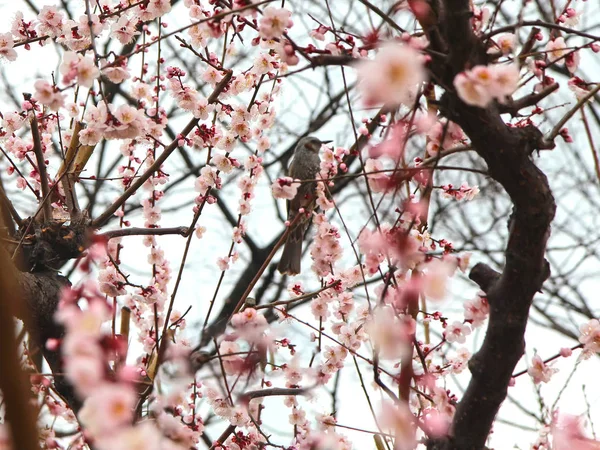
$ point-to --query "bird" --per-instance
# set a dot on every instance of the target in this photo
(305, 165)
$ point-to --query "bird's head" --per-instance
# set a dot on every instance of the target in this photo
(311, 143)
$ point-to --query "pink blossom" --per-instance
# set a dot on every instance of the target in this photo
(124, 29)
(568, 433)
(144, 436)
(476, 310)
(116, 73)
(464, 192)
(435, 278)
(399, 418)
(153, 10)
(18, 147)
(83, 25)
(590, 336)
(85, 322)
(263, 63)
(326, 422)
(80, 68)
(571, 17)
(274, 22)
(459, 363)
(173, 428)
(293, 373)
(208, 178)
(505, 80)
(263, 144)
(481, 84)
(48, 95)
(201, 108)
(50, 21)
(564, 133)
(480, 18)
(320, 308)
(393, 145)
(12, 122)
(579, 87)
(472, 92)
(506, 43)
(6, 47)
(85, 373)
(437, 422)
(449, 131)
(227, 142)
(319, 33)
(111, 282)
(297, 416)
(565, 352)
(326, 249)
(539, 371)
(572, 61)
(378, 180)
(392, 77)
(232, 363)
(285, 187)
(556, 49)
(457, 332)
(108, 408)
(463, 261)
(389, 331)
(199, 35)
(223, 264)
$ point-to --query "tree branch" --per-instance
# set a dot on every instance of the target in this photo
(507, 152)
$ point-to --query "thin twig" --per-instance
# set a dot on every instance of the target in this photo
(582, 101)
(106, 215)
(41, 166)
(183, 231)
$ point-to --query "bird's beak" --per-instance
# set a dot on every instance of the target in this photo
(325, 142)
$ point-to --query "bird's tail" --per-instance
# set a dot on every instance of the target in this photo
(291, 257)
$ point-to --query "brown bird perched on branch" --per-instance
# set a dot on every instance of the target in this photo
(304, 166)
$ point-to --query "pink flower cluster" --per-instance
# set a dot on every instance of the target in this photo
(94, 361)
(242, 349)
(448, 131)
(395, 243)
(556, 50)
(326, 249)
(476, 310)
(351, 334)
(482, 84)
(331, 162)
(112, 122)
(464, 192)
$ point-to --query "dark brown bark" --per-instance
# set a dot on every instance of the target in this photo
(507, 153)
(41, 291)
